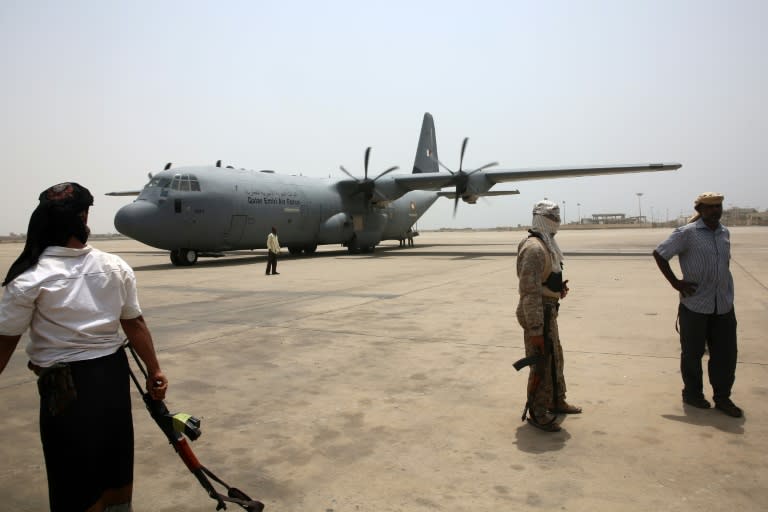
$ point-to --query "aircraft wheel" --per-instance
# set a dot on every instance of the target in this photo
(175, 258)
(186, 257)
(310, 249)
(294, 250)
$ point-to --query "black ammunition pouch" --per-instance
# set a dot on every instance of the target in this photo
(554, 282)
(56, 387)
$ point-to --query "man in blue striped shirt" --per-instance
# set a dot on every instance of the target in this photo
(706, 314)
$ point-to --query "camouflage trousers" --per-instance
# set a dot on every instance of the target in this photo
(541, 393)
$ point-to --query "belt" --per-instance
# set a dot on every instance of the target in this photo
(36, 369)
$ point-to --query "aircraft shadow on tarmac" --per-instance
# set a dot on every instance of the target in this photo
(237, 258)
(414, 251)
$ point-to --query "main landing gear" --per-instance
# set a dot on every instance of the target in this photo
(355, 247)
(183, 257)
(296, 250)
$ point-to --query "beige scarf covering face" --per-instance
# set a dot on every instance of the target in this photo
(547, 228)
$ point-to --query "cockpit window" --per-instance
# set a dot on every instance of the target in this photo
(159, 181)
(185, 183)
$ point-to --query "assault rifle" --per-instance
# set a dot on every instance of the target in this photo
(541, 357)
(527, 361)
(175, 427)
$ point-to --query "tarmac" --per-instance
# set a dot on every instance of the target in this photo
(384, 382)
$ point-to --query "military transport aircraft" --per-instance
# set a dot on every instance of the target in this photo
(203, 211)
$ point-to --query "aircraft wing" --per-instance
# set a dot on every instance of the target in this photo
(437, 180)
(124, 193)
(543, 173)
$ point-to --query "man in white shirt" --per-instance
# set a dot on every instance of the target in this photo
(74, 298)
(273, 249)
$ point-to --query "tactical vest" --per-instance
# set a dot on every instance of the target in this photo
(553, 282)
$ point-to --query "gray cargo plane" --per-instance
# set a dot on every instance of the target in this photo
(203, 211)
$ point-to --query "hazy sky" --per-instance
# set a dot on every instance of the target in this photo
(102, 92)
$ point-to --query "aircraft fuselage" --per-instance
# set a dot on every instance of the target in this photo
(213, 209)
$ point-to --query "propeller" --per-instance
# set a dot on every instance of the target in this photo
(461, 177)
(167, 166)
(366, 186)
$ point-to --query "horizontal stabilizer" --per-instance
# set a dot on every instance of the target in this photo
(124, 193)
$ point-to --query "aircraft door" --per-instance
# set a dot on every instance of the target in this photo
(304, 209)
(294, 211)
(236, 230)
(183, 208)
(310, 213)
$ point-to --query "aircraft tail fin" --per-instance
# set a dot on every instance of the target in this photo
(426, 152)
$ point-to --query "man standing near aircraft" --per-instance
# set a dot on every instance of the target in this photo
(273, 249)
(541, 286)
(706, 314)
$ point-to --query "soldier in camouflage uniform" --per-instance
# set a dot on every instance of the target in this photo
(541, 286)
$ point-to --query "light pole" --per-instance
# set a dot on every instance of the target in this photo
(578, 209)
(563, 212)
(639, 208)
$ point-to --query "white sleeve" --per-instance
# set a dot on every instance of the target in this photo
(131, 308)
(16, 310)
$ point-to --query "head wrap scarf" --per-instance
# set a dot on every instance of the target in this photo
(706, 198)
(57, 217)
(547, 227)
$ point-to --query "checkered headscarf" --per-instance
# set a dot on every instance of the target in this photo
(56, 219)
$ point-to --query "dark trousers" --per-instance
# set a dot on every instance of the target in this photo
(718, 334)
(271, 262)
(88, 447)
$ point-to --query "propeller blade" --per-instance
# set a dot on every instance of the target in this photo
(386, 172)
(463, 149)
(455, 204)
(167, 166)
(348, 174)
(366, 186)
(441, 164)
(367, 156)
(483, 167)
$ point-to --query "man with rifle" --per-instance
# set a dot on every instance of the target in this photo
(541, 286)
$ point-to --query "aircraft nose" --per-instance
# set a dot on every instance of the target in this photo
(132, 217)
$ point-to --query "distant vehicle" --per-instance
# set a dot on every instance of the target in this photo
(203, 211)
